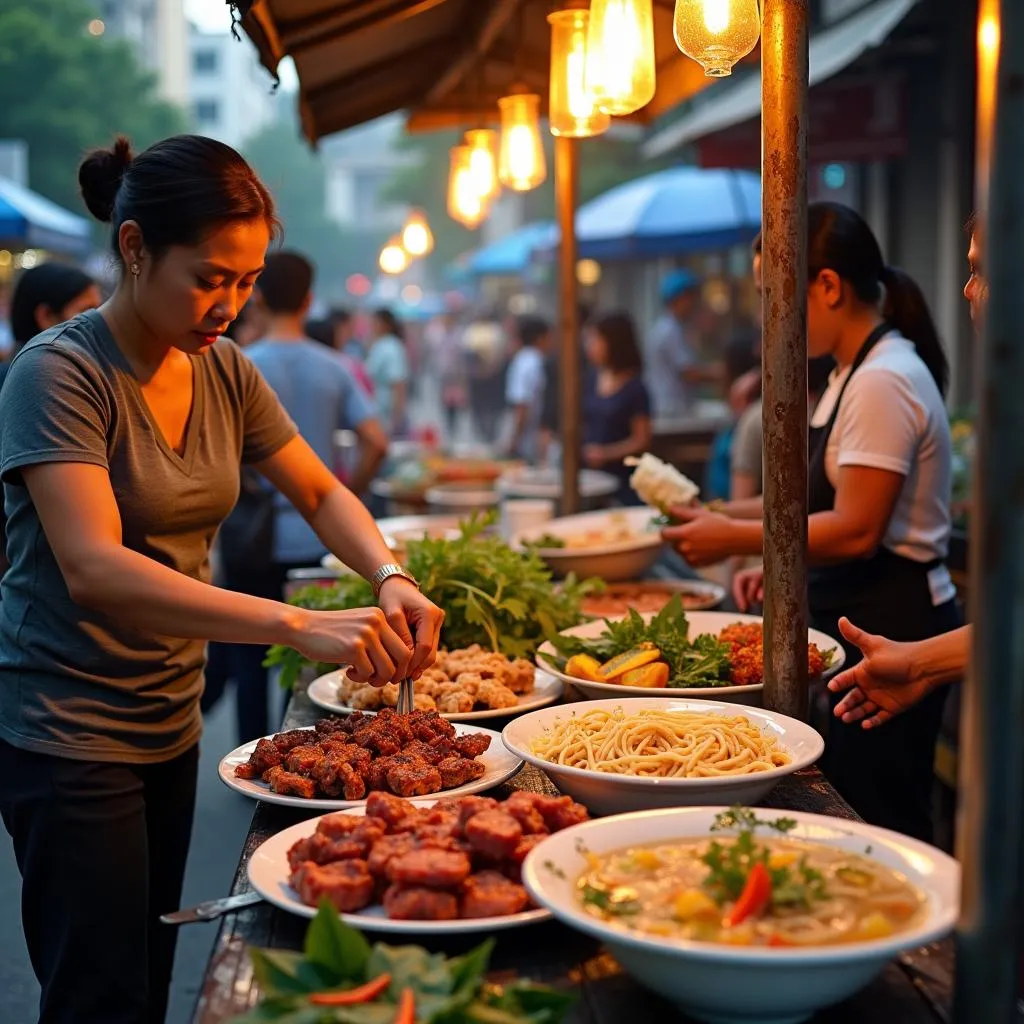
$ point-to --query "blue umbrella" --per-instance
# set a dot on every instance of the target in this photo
(671, 213)
(32, 220)
(511, 255)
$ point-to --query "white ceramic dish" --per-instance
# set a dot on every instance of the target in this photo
(624, 560)
(465, 498)
(605, 793)
(734, 984)
(699, 595)
(533, 482)
(500, 762)
(269, 873)
(546, 690)
(700, 622)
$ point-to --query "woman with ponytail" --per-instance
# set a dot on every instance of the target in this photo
(879, 494)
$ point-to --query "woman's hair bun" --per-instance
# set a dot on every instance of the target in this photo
(100, 175)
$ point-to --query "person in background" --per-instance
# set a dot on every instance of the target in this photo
(879, 495)
(674, 368)
(741, 357)
(387, 366)
(524, 386)
(321, 396)
(45, 296)
(249, 325)
(449, 360)
(485, 344)
(323, 332)
(616, 405)
(343, 333)
(551, 410)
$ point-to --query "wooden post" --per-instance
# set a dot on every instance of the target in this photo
(991, 833)
(784, 87)
(566, 191)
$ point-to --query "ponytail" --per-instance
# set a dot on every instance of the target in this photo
(907, 310)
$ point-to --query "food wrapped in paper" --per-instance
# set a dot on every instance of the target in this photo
(660, 484)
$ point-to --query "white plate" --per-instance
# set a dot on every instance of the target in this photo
(531, 482)
(269, 874)
(700, 622)
(733, 984)
(627, 559)
(705, 595)
(607, 793)
(323, 692)
(500, 763)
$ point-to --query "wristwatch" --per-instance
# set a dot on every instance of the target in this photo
(385, 572)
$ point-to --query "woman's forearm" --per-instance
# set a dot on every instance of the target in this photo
(348, 530)
(943, 659)
(745, 508)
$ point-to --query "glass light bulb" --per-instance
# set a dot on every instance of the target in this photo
(393, 258)
(465, 203)
(572, 108)
(521, 162)
(716, 33)
(620, 54)
(417, 238)
(483, 160)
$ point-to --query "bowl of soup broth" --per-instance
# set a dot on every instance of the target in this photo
(746, 916)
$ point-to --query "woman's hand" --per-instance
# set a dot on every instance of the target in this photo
(748, 588)
(412, 615)
(886, 683)
(703, 537)
(593, 456)
(360, 638)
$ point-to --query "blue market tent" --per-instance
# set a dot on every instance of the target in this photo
(512, 254)
(29, 220)
(669, 213)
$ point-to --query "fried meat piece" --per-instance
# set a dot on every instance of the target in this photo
(363, 830)
(377, 777)
(490, 894)
(522, 806)
(472, 744)
(455, 702)
(467, 806)
(347, 884)
(379, 736)
(493, 833)
(288, 783)
(334, 725)
(559, 812)
(322, 849)
(426, 725)
(386, 849)
(495, 695)
(426, 751)
(389, 808)
(457, 771)
(303, 759)
(413, 777)
(416, 903)
(526, 844)
(261, 760)
(436, 869)
(288, 741)
(337, 777)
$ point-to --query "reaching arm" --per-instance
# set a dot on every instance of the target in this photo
(638, 442)
(373, 449)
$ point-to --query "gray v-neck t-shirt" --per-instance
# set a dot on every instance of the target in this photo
(74, 682)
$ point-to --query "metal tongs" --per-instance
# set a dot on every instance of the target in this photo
(406, 696)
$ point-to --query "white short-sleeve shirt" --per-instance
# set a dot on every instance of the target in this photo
(893, 417)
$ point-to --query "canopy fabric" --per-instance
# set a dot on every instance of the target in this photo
(512, 254)
(670, 213)
(447, 62)
(29, 219)
(830, 51)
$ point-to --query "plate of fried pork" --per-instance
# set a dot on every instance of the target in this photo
(342, 760)
(413, 867)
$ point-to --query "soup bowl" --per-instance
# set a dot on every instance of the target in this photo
(743, 984)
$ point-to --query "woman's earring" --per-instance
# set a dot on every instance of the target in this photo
(134, 268)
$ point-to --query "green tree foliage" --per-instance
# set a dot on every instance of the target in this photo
(65, 91)
(296, 176)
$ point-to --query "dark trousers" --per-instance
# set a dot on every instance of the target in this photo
(101, 849)
(244, 662)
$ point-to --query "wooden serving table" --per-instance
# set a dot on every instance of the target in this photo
(916, 989)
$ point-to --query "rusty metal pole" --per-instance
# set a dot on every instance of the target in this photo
(566, 192)
(784, 87)
(991, 816)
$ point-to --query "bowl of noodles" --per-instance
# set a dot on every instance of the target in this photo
(741, 916)
(647, 752)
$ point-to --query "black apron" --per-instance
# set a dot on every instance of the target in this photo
(885, 773)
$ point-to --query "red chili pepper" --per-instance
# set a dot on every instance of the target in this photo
(779, 941)
(352, 996)
(406, 1008)
(754, 898)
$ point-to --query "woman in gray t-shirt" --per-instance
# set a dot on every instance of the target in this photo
(122, 433)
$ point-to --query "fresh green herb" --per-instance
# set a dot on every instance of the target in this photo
(618, 902)
(729, 864)
(447, 991)
(700, 662)
(546, 541)
(502, 599)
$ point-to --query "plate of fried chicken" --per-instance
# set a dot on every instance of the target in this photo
(448, 865)
(342, 760)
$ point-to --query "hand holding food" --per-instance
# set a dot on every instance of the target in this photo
(414, 618)
(659, 484)
(748, 587)
(703, 537)
(361, 638)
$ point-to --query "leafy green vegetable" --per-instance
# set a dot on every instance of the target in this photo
(700, 662)
(502, 599)
(447, 991)
(620, 902)
(729, 864)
